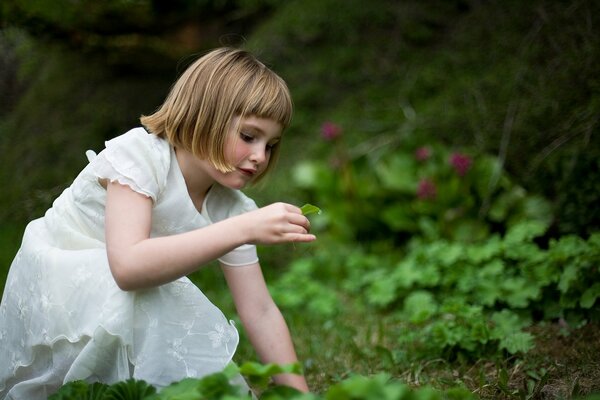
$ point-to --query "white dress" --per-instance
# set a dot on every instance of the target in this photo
(63, 317)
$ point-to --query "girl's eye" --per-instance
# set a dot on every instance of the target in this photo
(246, 138)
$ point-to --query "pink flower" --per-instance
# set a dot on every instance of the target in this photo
(422, 153)
(330, 130)
(461, 163)
(426, 189)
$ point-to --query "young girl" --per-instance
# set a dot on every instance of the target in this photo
(98, 290)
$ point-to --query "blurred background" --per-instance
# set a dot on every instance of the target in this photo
(515, 80)
(416, 123)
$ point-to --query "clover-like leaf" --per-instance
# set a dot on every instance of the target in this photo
(310, 209)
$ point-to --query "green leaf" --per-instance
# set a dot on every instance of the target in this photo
(310, 209)
(186, 389)
(260, 374)
(129, 390)
(505, 323)
(76, 390)
(569, 275)
(359, 387)
(398, 174)
(420, 306)
(459, 393)
(520, 291)
(381, 291)
(590, 295)
(285, 393)
(524, 231)
(399, 217)
(517, 342)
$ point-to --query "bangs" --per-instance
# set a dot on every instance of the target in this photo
(267, 97)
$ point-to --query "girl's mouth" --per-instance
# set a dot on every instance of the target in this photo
(247, 171)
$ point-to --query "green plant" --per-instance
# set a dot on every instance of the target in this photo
(432, 192)
(219, 386)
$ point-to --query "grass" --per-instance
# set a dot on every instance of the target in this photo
(563, 365)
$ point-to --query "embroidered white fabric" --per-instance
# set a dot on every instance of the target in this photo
(63, 318)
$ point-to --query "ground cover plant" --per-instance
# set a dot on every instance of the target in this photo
(452, 287)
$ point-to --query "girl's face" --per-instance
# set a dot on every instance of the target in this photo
(248, 149)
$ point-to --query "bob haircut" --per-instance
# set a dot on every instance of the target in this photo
(219, 86)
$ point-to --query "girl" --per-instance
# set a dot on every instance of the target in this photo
(98, 290)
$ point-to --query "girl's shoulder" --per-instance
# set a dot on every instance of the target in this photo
(139, 138)
(136, 158)
(139, 144)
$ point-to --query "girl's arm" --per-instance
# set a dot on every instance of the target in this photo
(263, 321)
(138, 261)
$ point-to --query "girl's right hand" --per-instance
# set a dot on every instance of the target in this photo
(277, 223)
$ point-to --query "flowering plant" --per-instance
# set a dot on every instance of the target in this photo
(427, 190)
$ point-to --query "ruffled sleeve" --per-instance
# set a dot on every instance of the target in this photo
(223, 203)
(137, 159)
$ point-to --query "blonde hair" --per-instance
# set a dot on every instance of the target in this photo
(223, 84)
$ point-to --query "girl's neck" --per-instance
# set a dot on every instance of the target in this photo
(196, 180)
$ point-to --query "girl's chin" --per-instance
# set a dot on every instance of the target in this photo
(236, 184)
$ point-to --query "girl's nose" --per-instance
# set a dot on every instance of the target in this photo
(258, 155)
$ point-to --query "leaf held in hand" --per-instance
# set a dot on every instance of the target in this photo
(310, 209)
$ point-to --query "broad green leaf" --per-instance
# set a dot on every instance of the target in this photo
(399, 217)
(260, 374)
(520, 291)
(420, 306)
(407, 273)
(281, 392)
(359, 387)
(517, 342)
(537, 208)
(218, 386)
(382, 291)
(590, 295)
(310, 209)
(76, 390)
(468, 230)
(185, 389)
(459, 393)
(398, 174)
(504, 202)
(568, 276)
(129, 390)
(505, 323)
(524, 232)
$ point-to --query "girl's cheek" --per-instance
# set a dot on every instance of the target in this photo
(243, 151)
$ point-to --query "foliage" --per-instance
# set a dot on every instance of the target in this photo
(464, 260)
(435, 193)
(472, 299)
(513, 79)
(38, 135)
(220, 385)
(128, 32)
